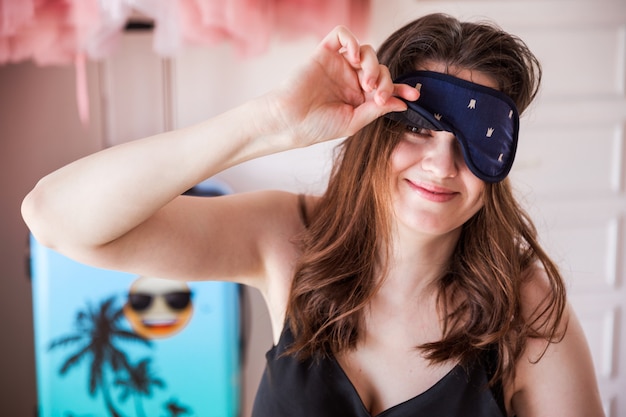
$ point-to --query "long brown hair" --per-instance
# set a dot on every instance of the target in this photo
(342, 263)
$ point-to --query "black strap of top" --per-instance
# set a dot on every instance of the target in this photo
(491, 363)
(302, 207)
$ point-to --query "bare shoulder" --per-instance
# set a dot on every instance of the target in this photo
(558, 377)
(272, 220)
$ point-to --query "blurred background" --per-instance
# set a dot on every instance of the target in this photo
(142, 67)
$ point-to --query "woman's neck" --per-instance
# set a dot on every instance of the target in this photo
(416, 262)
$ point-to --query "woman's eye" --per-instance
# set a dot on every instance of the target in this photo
(417, 130)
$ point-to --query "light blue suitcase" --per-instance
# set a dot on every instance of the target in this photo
(115, 344)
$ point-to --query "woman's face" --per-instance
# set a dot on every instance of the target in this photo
(432, 189)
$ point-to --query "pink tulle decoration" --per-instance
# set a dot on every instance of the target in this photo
(94, 35)
(14, 14)
(167, 32)
(318, 17)
(246, 23)
(82, 94)
(250, 24)
(61, 32)
(54, 31)
(47, 37)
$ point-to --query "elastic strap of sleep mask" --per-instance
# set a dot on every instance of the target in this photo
(485, 121)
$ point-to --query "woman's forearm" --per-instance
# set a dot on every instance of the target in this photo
(99, 198)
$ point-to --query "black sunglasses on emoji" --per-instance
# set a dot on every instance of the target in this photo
(176, 300)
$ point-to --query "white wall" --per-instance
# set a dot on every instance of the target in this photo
(571, 166)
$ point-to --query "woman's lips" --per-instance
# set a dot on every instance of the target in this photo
(432, 192)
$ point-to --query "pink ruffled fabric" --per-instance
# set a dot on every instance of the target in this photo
(56, 31)
(36, 29)
(61, 32)
(318, 17)
(44, 31)
(250, 24)
(246, 23)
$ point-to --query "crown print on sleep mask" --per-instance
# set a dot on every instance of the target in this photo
(485, 121)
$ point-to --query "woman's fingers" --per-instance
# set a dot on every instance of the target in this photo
(361, 58)
(369, 69)
(384, 85)
(354, 76)
(406, 92)
(343, 41)
(373, 76)
(384, 88)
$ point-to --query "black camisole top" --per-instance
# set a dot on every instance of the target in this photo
(320, 388)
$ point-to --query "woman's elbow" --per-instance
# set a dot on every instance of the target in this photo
(36, 212)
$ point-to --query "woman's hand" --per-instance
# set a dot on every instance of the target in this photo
(340, 90)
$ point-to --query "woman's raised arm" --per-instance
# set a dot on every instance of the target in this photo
(102, 208)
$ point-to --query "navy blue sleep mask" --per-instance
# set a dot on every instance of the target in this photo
(485, 121)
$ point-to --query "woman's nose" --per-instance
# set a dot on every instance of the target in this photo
(442, 156)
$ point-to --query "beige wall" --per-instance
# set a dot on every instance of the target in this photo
(39, 131)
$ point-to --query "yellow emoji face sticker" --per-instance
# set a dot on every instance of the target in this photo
(158, 308)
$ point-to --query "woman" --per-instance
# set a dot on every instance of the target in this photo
(414, 286)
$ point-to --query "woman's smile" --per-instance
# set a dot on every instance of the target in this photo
(432, 192)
